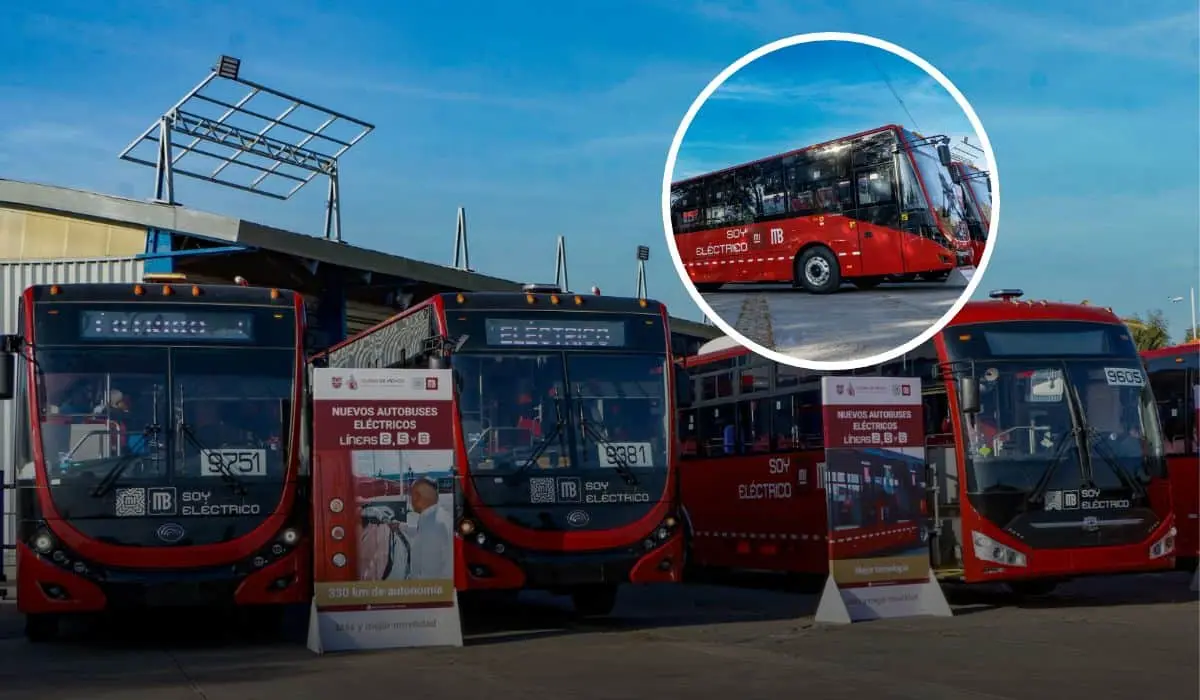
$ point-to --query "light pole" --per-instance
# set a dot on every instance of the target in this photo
(1192, 300)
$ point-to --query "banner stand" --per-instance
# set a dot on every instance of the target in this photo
(384, 485)
(314, 629)
(360, 630)
(840, 606)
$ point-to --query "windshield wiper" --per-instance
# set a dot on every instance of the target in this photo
(1038, 495)
(621, 465)
(149, 433)
(110, 477)
(1113, 462)
(559, 422)
(227, 474)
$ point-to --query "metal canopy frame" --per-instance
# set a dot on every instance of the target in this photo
(966, 152)
(280, 153)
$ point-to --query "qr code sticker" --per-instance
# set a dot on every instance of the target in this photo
(541, 489)
(130, 502)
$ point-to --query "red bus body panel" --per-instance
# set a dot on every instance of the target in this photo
(1183, 464)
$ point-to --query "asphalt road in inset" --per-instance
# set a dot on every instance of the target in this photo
(1130, 637)
(847, 325)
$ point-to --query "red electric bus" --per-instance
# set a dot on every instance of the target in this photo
(564, 435)
(1175, 375)
(868, 208)
(1044, 452)
(154, 452)
(975, 187)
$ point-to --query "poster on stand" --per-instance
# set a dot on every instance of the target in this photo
(874, 482)
(383, 507)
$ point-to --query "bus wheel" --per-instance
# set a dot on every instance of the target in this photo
(866, 282)
(594, 601)
(1031, 589)
(818, 271)
(42, 627)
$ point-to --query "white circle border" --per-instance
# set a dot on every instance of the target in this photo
(810, 38)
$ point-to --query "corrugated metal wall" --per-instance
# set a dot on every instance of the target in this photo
(15, 277)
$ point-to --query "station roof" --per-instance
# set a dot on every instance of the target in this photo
(277, 257)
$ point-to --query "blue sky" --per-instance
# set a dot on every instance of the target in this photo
(555, 118)
(810, 93)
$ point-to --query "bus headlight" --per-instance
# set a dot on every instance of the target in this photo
(466, 527)
(1164, 547)
(987, 549)
(290, 537)
(43, 542)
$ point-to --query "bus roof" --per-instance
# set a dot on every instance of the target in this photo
(1185, 356)
(512, 301)
(973, 312)
(179, 292)
(885, 127)
(1031, 310)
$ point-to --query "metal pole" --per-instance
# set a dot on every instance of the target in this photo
(560, 265)
(462, 256)
(1192, 298)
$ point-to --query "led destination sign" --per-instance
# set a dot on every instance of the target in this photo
(169, 326)
(519, 332)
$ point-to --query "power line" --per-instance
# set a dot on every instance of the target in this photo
(888, 82)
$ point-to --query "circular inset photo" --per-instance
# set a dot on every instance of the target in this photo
(831, 201)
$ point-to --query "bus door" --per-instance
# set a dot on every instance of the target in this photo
(942, 505)
(880, 244)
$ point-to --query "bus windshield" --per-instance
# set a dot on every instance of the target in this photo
(981, 196)
(166, 411)
(945, 199)
(1026, 429)
(563, 410)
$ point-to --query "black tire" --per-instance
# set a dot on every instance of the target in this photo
(1031, 589)
(818, 272)
(866, 282)
(41, 628)
(594, 601)
(707, 287)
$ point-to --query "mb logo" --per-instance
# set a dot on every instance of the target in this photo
(161, 500)
(568, 489)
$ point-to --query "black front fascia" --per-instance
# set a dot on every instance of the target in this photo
(208, 512)
(585, 500)
(1069, 529)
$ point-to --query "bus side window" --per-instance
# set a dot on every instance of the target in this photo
(808, 414)
(754, 425)
(1171, 392)
(771, 189)
(688, 434)
(718, 431)
(687, 206)
(783, 423)
(746, 191)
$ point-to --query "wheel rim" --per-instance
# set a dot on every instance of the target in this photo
(816, 271)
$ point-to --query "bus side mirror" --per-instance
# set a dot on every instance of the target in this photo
(955, 176)
(968, 395)
(944, 155)
(8, 376)
(684, 392)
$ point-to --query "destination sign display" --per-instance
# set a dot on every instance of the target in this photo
(167, 326)
(554, 333)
